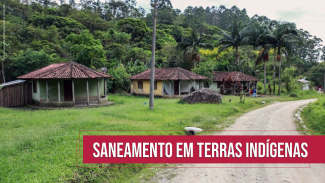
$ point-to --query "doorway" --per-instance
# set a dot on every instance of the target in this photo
(67, 90)
(176, 87)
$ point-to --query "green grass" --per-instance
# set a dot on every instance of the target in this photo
(40, 145)
(314, 117)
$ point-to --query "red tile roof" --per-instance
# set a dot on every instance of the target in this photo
(169, 74)
(67, 70)
(235, 76)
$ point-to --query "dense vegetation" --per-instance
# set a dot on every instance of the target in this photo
(117, 35)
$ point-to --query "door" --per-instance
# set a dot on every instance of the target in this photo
(67, 90)
(176, 87)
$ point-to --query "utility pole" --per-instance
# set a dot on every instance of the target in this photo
(152, 72)
(4, 44)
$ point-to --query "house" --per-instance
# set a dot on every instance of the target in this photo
(305, 83)
(168, 82)
(233, 81)
(15, 93)
(67, 84)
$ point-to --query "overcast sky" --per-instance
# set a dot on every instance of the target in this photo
(307, 14)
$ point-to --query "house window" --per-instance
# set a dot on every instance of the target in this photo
(140, 85)
(34, 87)
(155, 85)
(206, 85)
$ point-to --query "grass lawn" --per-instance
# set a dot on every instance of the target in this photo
(40, 145)
(314, 117)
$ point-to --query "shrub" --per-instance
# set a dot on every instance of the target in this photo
(293, 95)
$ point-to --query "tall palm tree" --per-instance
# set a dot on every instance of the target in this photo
(192, 44)
(252, 34)
(280, 39)
(234, 39)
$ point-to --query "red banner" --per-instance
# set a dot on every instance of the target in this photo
(203, 149)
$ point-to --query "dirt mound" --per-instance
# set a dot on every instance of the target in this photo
(203, 96)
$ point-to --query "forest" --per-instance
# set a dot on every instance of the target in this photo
(117, 35)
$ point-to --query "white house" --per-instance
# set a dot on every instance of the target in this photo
(305, 85)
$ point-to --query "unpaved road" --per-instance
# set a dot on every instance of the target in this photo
(278, 116)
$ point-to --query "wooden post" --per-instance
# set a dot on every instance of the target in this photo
(59, 94)
(105, 87)
(87, 92)
(179, 87)
(73, 95)
(47, 90)
(98, 95)
(170, 85)
(189, 86)
(249, 87)
(242, 87)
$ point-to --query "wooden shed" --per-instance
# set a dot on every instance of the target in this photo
(15, 93)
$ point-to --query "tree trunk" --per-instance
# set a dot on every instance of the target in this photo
(279, 90)
(237, 56)
(274, 70)
(264, 77)
(4, 44)
(152, 72)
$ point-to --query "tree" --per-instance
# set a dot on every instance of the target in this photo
(29, 60)
(234, 39)
(280, 39)
(191, 45)
(253, 32)
(87, 50)
(136, 27)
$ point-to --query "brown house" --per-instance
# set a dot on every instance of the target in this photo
(67, 84)
(168, 82)
(234, 79)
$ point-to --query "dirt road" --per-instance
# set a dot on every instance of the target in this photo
(278, 116)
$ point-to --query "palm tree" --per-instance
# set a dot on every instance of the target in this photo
(192, 44)
(281, 40)
(253, 32)
(235, 39)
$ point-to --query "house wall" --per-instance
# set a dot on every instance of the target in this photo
(168, 86)
(80, 88)
(183, 85)
(214, 86)
(146, 88)
(36, 96)
(305, 86)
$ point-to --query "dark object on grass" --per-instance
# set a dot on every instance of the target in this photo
(203, 96)
(192, 130)
(229, 100)
(293, 95)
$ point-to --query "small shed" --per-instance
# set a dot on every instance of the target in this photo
(168, 82)
(66, 85)
(305, 83)
(15, 94)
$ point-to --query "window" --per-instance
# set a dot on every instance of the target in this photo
(206, 85)
(140, 85)
(34, 87)
(155, 85)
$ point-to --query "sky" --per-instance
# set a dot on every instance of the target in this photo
(307, 14)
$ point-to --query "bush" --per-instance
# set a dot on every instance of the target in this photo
(293, 95)
(120, 80)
